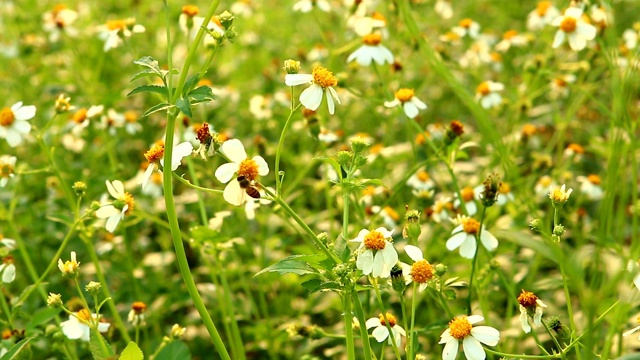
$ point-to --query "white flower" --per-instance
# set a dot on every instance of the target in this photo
(511, 38)
(543, 15)
(444, 9)
(542, 186)
(530, 305)
(573, 28)
(260, 107)
(380, 264)
(306, 6)
(240, 167)
(559, 195)
(420, 271)
(58, 21)
(462, 329)
(441, 208)
(487, 94)
(321, 81)
(115, 211)
(630, 37)
(389, 216)
(327, 136)
(467, 27)
(560, 86)
(8, 269)
(14, 123)
(410, 103)
(7, 165)
(420, 181)
(364, 25)
(464, 237)
(380, 333)
(468, 198)
(156, 155)
(371, 50)
(69, 267)
(77, 328)
(114, 31)
(590, 186)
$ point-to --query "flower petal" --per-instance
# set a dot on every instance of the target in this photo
(234, 194)
(25, 112)
(472, 349)
(488, 240)
(414, 252)
(373, 322)
(180, 151)
(410, 109)
(311, 97)
(365, 262)
(112, 222)
(456, 240)
(106, 211)
(234, 150)
(450, 350)
(378, 264)
(298, 79)
(468, 247)
(330, 105)
(263, 167)
(380, 333)
(226, 172)
(9, 273)
(486, 335)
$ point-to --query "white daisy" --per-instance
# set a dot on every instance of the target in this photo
(321, 81)
(380, 333)
(116, 210)
(464, 237)
(559, 195)
(573, 28)
(58, 21)
(467, 27)
(590, 186)
(420, 271)
(77, 326)
(462, 329)
(468, 198)
(371, 50)
(241, 168)
(530, 306)
(487, 94)
(364, 25)
(7, 169)
(543, 15)
(155, 155)
(14, 123)
(306, 6)
(420, 181)
(410, 103)
(511, 38)
(114, 32)
(385, 257)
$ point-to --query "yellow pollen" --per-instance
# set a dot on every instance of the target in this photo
(560, 82)
(6, 117)
(423, 176)
(594, 179)
(155, 153)
(467, 194)
(80, 116)
(130, 116)
(84, 314)
(466, 23)
(190, 10)
(6, 170)
(470, 226)
(483, 89)
(527, 299)
(249, 169)
(421, 271)
(504, 188)
(374, 240)
(509, 34)
(568, 25)
(451, 36)
(460, 327)
(323, 77)
(56, 9)
(116, 25)
(542, 7)
(529, 129)
(139, 307)
(156, 178)
(389, 319)
(496, 56)
(372, 39)
(392, 213)
(545, 181)
(128, 199)
(577, 148)
(404, 95)
(378, 16)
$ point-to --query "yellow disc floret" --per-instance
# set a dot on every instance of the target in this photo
(390, 319)
(460, 327)
(483, 89)
(84, 315)
(155, 153)
(374, 240)
(404, 95)
(467, 194)
(470, 226)
(568, 24)
(6, 117)
(421, 271)
(249, 169)
(323, 77)
(542, 7)
(372, 39)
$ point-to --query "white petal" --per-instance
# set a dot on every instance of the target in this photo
(524, 321)
(385, 233)
(365, 262)
(226, 172)
(450, 350)
(21, 126)
(418, 103)
(180, 151)
(9, 273)
(576, 42)
(106, 211)
(25, 112)
(486, 335)
(390, 255)
(115, 188)
(636, 280)
(13, 137)
(474, 319)
(72, 329)
(311, 97)
(574, 12)
(147, 175)
(263, 167)
(355, 55)
(234, 150)
(334, 94)
(103, 327)
(330, 105)
(373, 322)
(384, 56)
(629, 332)
(380, 333)
(456, 240)
(378, 264)
(298, 79)
(394, 102)
(472, 349)
(488, 240)
(468, 247)
(410, 110)
(112, 222)
(234, 194)
(558, 39)
(10, 243)
(414, 252)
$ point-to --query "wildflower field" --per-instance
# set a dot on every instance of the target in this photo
(319, 179)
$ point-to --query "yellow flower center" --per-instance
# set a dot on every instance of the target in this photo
(504, 188)
(80, 116)
(529, 129)
(130, 116)
(156, 178)
(542, 8)
(568, 24)
(496, 56)
(190, 10)
(527, 299)
(378, 16)
(483, 89)
(70, 267)
(389, 319)
(577, 148)
(6, 170)
(372, 39)
(460, 327)
(56, 9)
(6, 334)
(594, 179)
(466, 23)
(392, 213)
(249, 169)
(404, 95)
(560, 82)
(421, 271)
(84, 314)
(470, 226)
(467, 194)
(423, 176)
(139, 307)
(6, 117)
(155, 153)
(545, 181)
(323, 77)
(128, 199)
(638, 320)
(116, 25)
(374, 240)
(509, 34)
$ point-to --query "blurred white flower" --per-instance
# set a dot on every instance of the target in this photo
(321, 82)
(14, 123)
(574, 29)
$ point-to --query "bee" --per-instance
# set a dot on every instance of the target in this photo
(246, 185)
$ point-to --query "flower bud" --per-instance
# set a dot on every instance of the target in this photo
(536, 225)
(558, 230)
(54, 300)
(291, 66)
(93, 287)
(226, 19)
(397, 279)
(80, 188)
(441, 269)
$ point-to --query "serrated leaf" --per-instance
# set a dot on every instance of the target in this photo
(190, 83)
(183, 105)
(132, 352)
(175, 350)
(370, 182)
(156, 108)
(99, 351)
(291, 265)
(15, 350)
(326, 286)
(200, 98)
(145, 73)
(158, 89)
(149, 62)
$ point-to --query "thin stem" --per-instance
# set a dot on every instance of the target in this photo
(414, 303)
(366, 345)
(348, 328)
(475, 260)
(286, 127)
(384, 314)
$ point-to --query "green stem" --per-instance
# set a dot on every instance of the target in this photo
(384, 314)
(5, 308)
(348, 328)
(414, 303)
(286, 127)
(519, 356)
(553, 337)
(366, 345)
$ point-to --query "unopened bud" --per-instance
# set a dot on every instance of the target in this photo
(535, 225)
(291, 66)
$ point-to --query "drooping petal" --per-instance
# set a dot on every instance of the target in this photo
(115, 188)
(330, 105)
(365, 262)
(13, 137)
(450, 350)
(144, 180)
(263, 167)
(373, 322)
(410, 109)
(180, 151)
(72, 328)
(103, 327)
(418, 103)
(576, 42)
(311, 97)
(234, 150)
(629, 332)
(389, 254)
(636, 281)
(298, 79)
(106, 211)
(468, 247)
(394, 102)
(354, 55)
(384, 56)
(22, 126)
(112, 222)
(456, 240)
(524, 322)
(488, 240)
(226, 172)
(234, 194)
(380, 333)
(473, 349)
(334, 94)
(486, 334)
(414, 252)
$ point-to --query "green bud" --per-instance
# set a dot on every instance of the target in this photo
(397, 279)
(536, 225)
(441, 269)
(226, 19)
(558, 230)
(494, 265)
(93, 287)
(412, 228)
(358, 144)
(291, 66)
(80, 188)
(344, 158)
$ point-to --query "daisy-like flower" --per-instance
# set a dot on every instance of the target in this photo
(469, 195)
(590, 186)
(132, 126)
(462, 329)
(543, 15)
(467, 27)
(385, 257)
(444, 9)
(14, 123)
(114, 32)
(187, 17)
(487, 94)
(530, 306)
(542, 186)
(630, 37)
(464, 237)
(559, 196)
(560, 86)
(240, 169)
(364, 25)
(77, 327)
(441, 208)
(371, 50)
(327, 136)
(136, 316)
(421, 271)
(69, 267)
(421, 181)
(8, 269)
(574, 29)
(58, 21)
(389, 216)
(629, 332)
(121, 206)
(306, 6)
(155, 156)
(321, 81)
(82, 117)
(7, 171)
(410, 103)
(511, 38)
(381, 333)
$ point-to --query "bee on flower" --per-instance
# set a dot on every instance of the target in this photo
(467, 27)
(305, 6)
(117, 209)
(14, 123)
(487, 94)
(77, 327)
(464, 236)
(58, 22)
(590, 186)
(155, 156)
(410, 103)
(381, 333)
(530, 307)
(114, 32)
(542, 15)
(573, 28)
(241, 173)
(321, 82)
(7, 169)
(376, 254)
(371, 50)
(462, 329)
(420, 272)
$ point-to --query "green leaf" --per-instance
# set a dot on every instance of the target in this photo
(132, 352)
(149, 62)
(190, 83)
(315, 285)
(15, 350)
(100, 348)
(291, 265)
(145, 73)
(369, 182)
(26, 291)
(175, 350)
(183, 105)
(158, 89)
(205, 234)
(331, 161)
(156, 108)
(41, 316)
